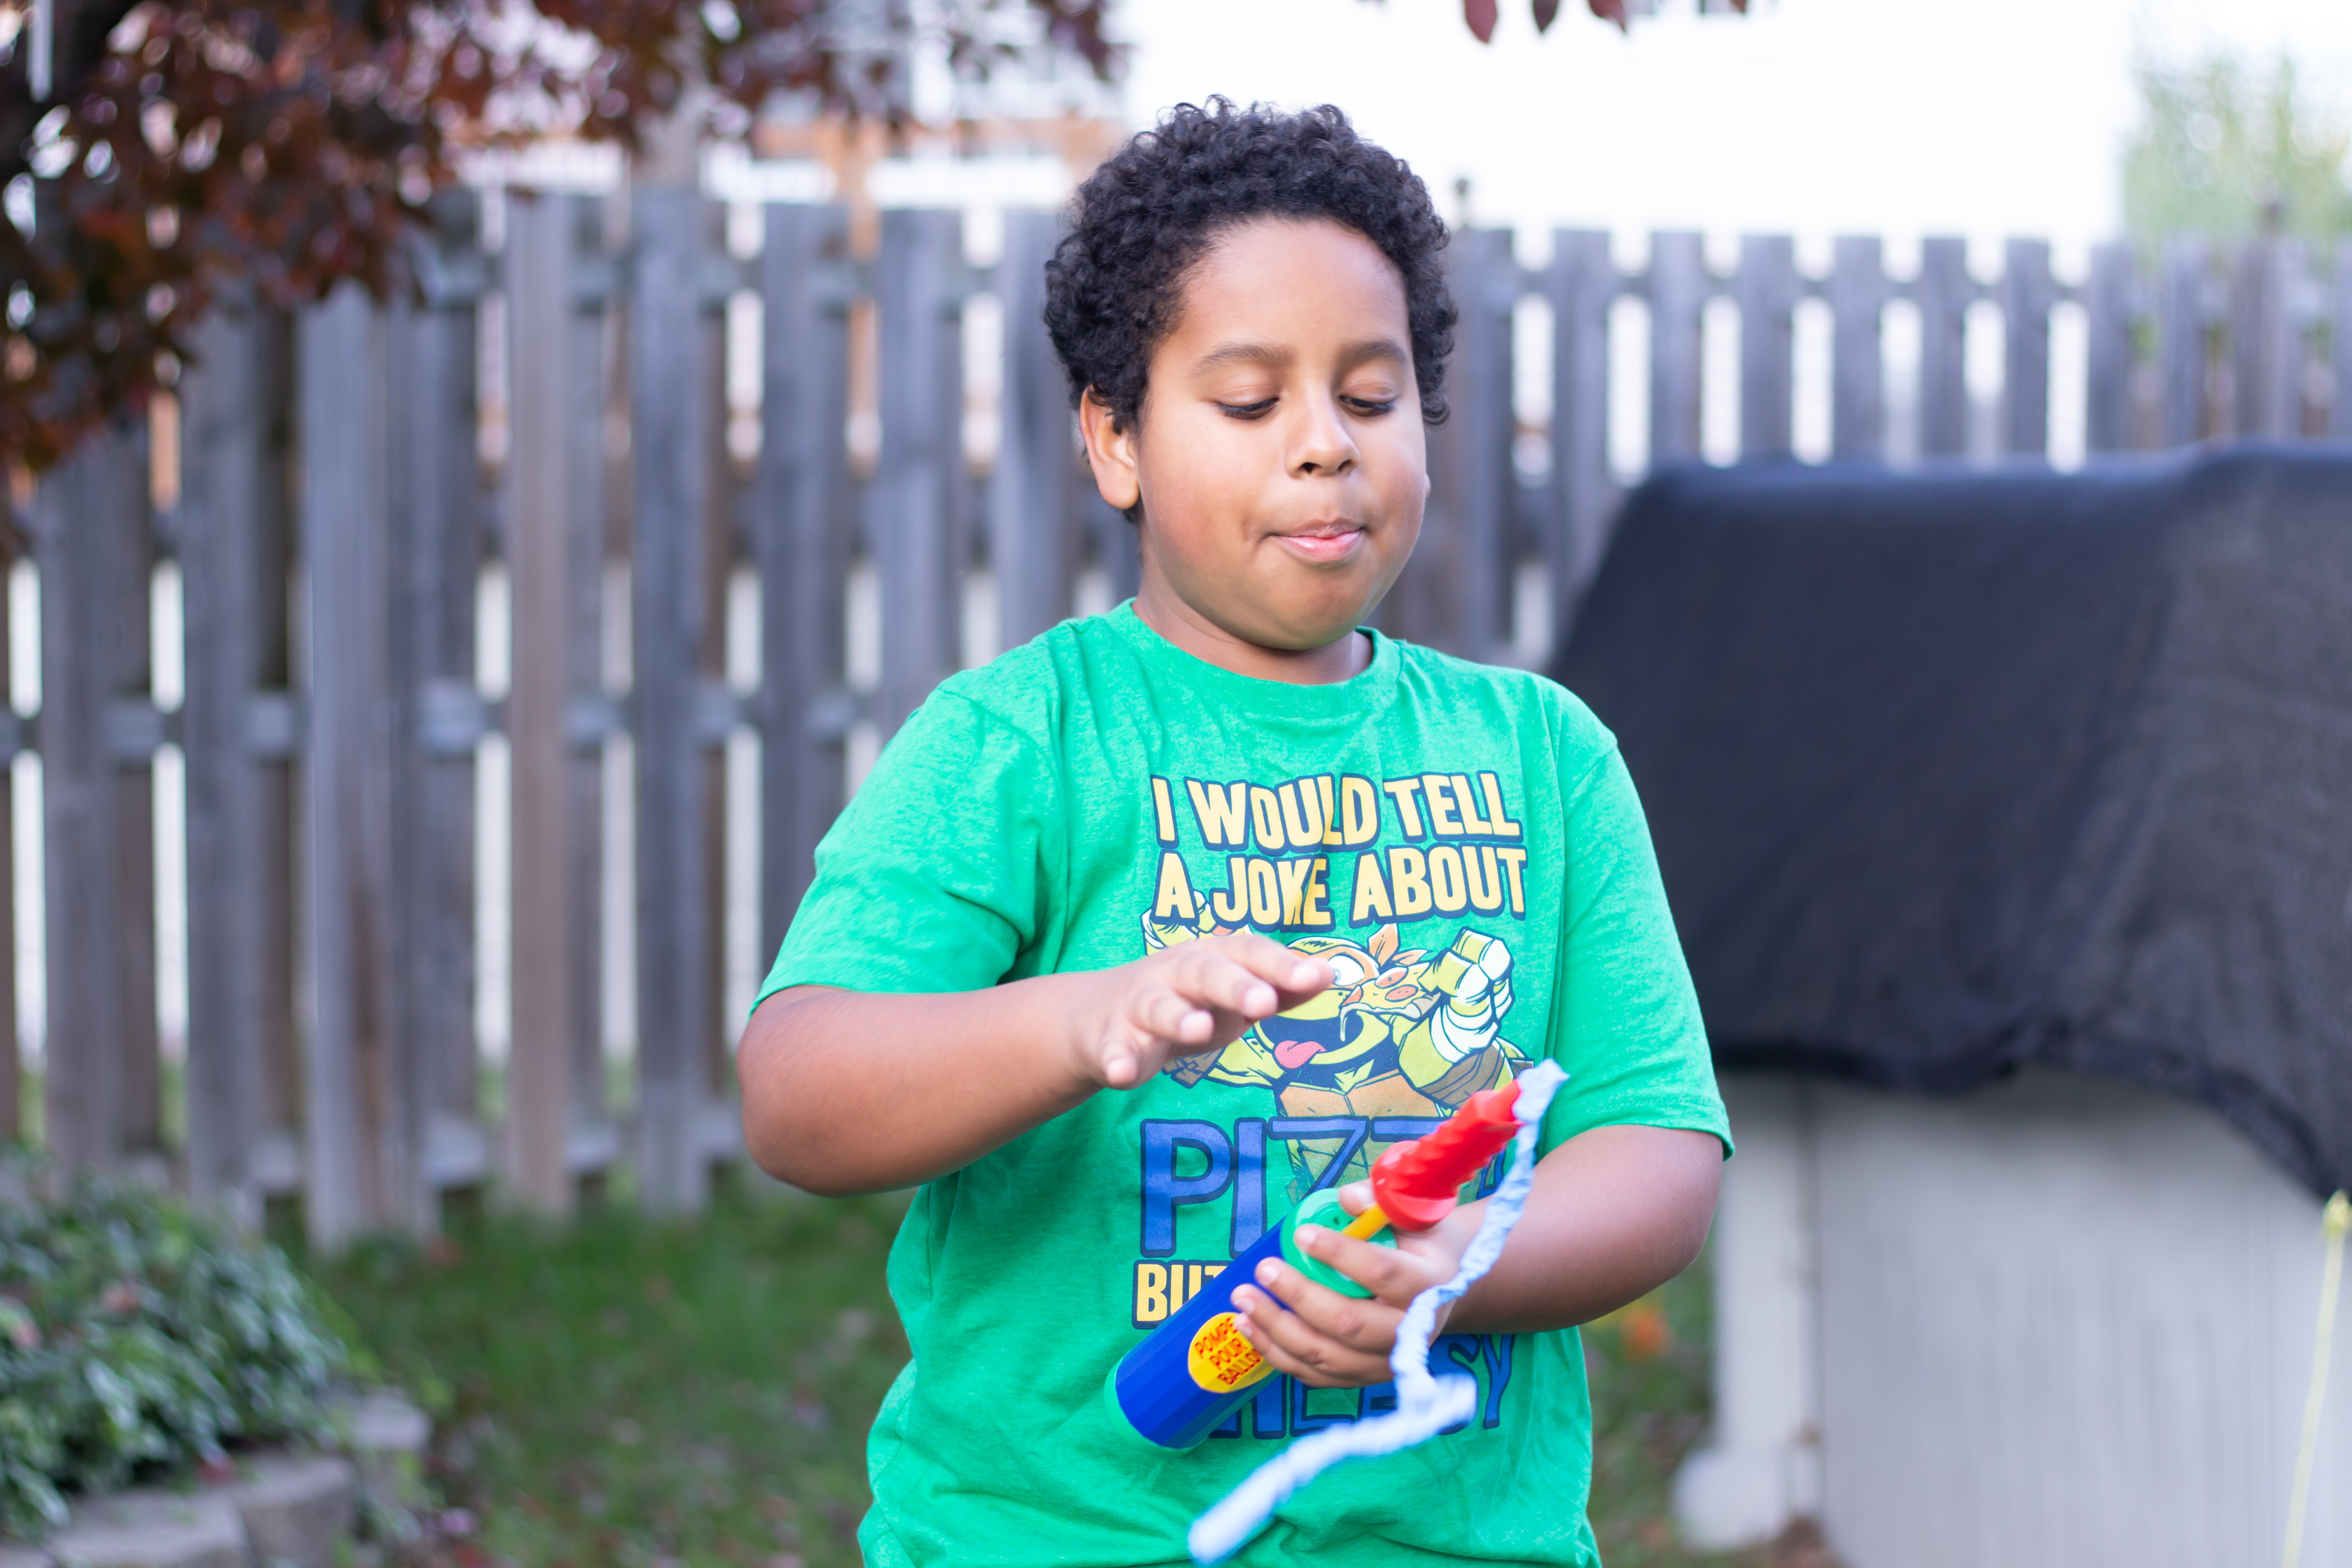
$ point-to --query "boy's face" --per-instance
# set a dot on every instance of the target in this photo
(1280, 451)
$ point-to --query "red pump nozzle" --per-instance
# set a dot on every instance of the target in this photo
(1416, 1184)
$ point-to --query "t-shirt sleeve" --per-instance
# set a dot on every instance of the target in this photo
(933, 878)
(1625, 1020)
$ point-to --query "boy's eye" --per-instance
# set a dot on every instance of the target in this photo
(1246, 410)
(1369, 405)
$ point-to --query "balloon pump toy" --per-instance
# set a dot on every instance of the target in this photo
(1196, 1369)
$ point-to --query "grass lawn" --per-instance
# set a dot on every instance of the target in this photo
(691, 1393)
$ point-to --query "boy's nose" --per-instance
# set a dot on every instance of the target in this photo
(1323, 447)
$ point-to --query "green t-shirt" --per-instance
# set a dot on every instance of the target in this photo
(1462, 844)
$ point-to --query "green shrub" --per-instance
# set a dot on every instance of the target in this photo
(137, 1338)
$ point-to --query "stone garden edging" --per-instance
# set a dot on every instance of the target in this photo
(281, 1510)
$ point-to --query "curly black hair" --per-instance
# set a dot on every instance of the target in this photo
(1142, 220)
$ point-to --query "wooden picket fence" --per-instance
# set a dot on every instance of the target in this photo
(333, 506)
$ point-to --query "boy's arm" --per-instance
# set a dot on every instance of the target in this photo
(847, 1092)
(1615, 1212)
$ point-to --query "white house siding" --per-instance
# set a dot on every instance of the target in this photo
(2063, 1322)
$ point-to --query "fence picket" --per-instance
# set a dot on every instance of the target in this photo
(88, 510)
(1678, 284)
(542, 516)
(1767, 289)
(2026, 297)
(592, 397)
(13, 1121)
(1454, 594)
(125, 655)
(2182, 345)
(2109, 306)
(2339, 414)
(1581, 282)
(1943, 294)
(223, 471)
(363, 1129)
(2265, 340)
(273, 723)
(916, 487)
(801, 526)
(1032, 543)
(671, 422)
(1858, 356)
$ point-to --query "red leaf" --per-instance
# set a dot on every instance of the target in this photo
(1611, 11)
(1480, 15)
(1545, 10)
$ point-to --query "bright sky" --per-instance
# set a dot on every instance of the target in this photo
(1979, 117)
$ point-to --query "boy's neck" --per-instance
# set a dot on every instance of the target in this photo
(1158, 607)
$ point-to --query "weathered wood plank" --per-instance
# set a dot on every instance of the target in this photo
(272, 717)
(2266, 340)
(1857, 294)
(2027, 294)
(1582, 284)
(126, 652)
(802, 528)
(1031, 541)
(1767, 291)
(541, 518)
(592, 399)
(722, 552)
(2110, 302)
(363, 1129)
(2184, 342)
(671, 425)
(2339, 415)
(1677, 298)
(440, 523)
(1455, 593)
(918, 303)
(12, 1064)
(225, 471)
(1943, 293)
(90, 512)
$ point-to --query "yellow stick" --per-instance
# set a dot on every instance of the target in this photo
(1365, 1224)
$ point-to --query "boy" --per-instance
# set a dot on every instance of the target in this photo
(1151, 927)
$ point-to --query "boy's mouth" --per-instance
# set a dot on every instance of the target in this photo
(1324, 541)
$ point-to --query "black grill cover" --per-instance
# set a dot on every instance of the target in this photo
(1951, 772)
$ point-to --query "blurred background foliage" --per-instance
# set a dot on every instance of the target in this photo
(2230, 152)
(153, 154)
(139, 1340)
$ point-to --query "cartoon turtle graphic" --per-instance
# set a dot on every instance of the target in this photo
(1399, 1034)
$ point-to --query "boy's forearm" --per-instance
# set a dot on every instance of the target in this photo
(1616, 1212)
(848, 1092)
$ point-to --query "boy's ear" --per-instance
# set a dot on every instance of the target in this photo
(1110, 452)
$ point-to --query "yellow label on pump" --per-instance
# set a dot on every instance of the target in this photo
(1221, 1360)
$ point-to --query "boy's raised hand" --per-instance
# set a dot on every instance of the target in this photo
(1183, 1000)
(1329, 1341)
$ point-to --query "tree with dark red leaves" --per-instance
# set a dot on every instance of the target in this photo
(287, 145)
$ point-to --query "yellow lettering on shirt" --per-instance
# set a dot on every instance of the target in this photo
(1403, 790)
(1221, 810)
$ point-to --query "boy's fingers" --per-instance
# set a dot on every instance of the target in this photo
(1293, 1346)
(1290, 972)
(1354, 1322)
(1211, 978)
(1392, 1275)
(1162, 1013)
